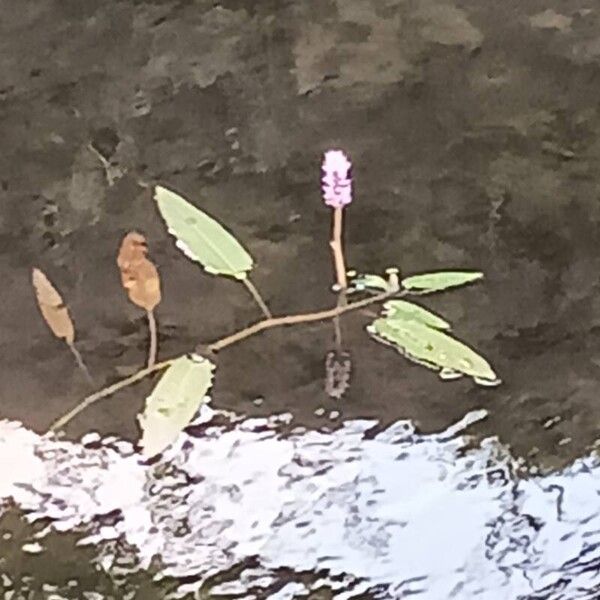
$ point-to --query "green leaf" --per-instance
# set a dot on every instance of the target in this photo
(369, 282)
(434, 349)
(174, 402)
(201, 238)
(435, 282)
(401, 310)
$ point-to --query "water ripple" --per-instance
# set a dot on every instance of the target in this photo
(389, 516)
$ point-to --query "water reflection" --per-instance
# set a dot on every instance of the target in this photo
(256, 509)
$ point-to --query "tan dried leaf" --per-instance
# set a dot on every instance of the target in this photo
(52, 307)
(133, 249)
(139, 276)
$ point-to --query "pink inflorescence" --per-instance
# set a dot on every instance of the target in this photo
(336, 181)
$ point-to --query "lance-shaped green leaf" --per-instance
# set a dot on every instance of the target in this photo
(369, 282)
(401, 310)
(434, 349)
(201, 238)
(442, 280)
(174, 402)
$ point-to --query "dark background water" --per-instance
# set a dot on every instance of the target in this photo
(474, 131)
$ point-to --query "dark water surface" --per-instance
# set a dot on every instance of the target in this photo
(474, 129)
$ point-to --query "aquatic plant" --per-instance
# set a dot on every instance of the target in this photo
(139, 277)
(56, 314)
(411, 329)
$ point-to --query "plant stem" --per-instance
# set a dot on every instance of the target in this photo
(322, 315)
(229, 340)
(257, 297)
(80, 362)
(107, 391)
(153, 339)
(338, 249)
(337, 328)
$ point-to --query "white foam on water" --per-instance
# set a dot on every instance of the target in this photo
(403, 511)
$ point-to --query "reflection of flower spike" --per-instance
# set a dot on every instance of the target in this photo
(338, 367)
(336, 181)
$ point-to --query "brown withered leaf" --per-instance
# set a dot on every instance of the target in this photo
(142, 284)
(52, 307)
(133, 249)
(139, 276)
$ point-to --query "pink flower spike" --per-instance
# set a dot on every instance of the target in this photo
(336, 181)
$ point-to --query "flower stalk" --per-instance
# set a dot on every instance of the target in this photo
(337, 248)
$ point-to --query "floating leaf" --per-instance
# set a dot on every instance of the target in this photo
(139, 276)
(52, 307)
(143, 286)
(369, 282)
(403, 310)
(434, 349)
(174, 402)
(133, 249)
(435, 282)
(201, 238)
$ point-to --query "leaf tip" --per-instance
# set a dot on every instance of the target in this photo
(485, 382)
(36, 275)
(159, 189)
